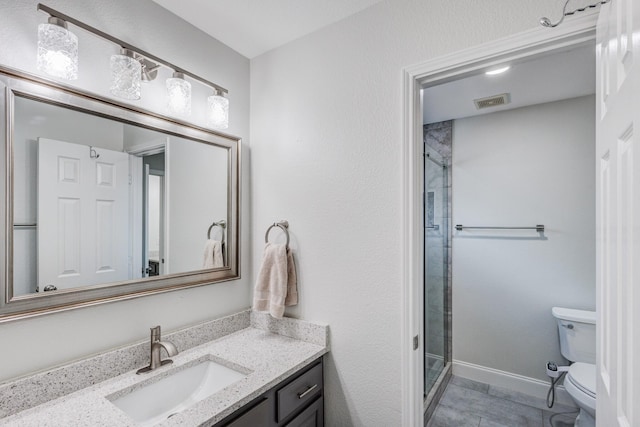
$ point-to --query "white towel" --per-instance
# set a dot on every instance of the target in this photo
(213, 254)
(276, 286)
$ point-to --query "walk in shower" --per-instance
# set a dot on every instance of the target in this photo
(437, 265)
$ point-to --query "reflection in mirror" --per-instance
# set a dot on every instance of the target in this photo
(100, 201)
(154, 253)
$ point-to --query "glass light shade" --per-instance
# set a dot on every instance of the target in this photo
(125, 76)
(57, 51)
(218, 111)
(179, 95)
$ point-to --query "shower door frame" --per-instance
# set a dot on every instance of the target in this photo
(577, 30)
(433, 394)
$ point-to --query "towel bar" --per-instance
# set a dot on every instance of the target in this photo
(284, 225)
(539, 228)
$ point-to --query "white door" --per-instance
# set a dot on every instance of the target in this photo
(618, 214)
(83, 215)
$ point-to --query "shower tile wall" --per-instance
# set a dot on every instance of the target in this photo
(438, 138)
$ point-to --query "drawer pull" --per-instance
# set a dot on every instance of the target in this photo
(309, 390)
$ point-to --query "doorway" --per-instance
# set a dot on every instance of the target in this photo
(153, 241)
(533, 43)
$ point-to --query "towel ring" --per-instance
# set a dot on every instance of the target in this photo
(222, 224)
(284, 225)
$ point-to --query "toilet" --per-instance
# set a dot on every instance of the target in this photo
(577, 330)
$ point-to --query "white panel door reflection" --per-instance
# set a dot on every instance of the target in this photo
(83, 208)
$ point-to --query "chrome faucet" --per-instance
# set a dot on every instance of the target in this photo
(156, 346)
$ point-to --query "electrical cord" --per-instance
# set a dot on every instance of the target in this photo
(552, 417)
(551, 394)
(551, 397)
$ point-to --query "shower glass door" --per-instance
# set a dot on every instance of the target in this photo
(436, 226)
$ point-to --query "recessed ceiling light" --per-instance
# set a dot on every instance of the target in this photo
(496, 71)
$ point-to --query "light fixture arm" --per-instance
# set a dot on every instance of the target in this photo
(546, 22)
(159, 61)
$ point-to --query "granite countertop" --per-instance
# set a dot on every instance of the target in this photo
(262, 351)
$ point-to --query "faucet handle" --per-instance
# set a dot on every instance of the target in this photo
(156, 334)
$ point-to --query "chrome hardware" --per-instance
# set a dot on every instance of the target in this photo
(433, 227)
(93, 154)
(284, 225)
(50, 288)
(222, 224)
(442, 165)
(33, 225)
(156, 346)
(546, 22)
(307, 391)
(568, 326)
(539, 228)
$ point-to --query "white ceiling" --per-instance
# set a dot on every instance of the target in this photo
(563, 75)
(252, 27)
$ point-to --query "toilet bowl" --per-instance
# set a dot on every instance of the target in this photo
(577, 331)
(580, 383)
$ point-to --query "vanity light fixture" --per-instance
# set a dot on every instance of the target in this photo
(126, 75)
(496, 71)
(149, 70)
(58, 56)
(218, 110)
(57, 49)
(179, 95)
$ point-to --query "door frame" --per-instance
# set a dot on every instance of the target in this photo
(579, 29)
(163, 210)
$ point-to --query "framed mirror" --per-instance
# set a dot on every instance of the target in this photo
(104, 201)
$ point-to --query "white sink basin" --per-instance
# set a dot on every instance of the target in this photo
(157, 401)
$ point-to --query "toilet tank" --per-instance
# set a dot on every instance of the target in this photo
(577, 330)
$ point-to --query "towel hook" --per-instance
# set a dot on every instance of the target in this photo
(93, 154)
(283, 225)
(222, 224)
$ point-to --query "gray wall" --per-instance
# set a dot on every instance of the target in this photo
(77, 333)
(326, 129)
(532, 165)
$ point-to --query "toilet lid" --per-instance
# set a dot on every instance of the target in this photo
(583, 376)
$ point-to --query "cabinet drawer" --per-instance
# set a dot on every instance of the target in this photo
(299, 392)
(313, 416)
(258, 416)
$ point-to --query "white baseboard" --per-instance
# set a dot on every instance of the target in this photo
(515, 382)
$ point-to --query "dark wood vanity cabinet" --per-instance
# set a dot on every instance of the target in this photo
(295, 402)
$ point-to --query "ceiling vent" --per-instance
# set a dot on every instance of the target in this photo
(492, 101)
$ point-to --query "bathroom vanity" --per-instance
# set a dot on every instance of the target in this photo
(276, 369)
(296, 401)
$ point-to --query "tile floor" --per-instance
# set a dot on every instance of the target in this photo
(467, 403)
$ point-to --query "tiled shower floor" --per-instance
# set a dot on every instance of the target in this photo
(467, 403)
